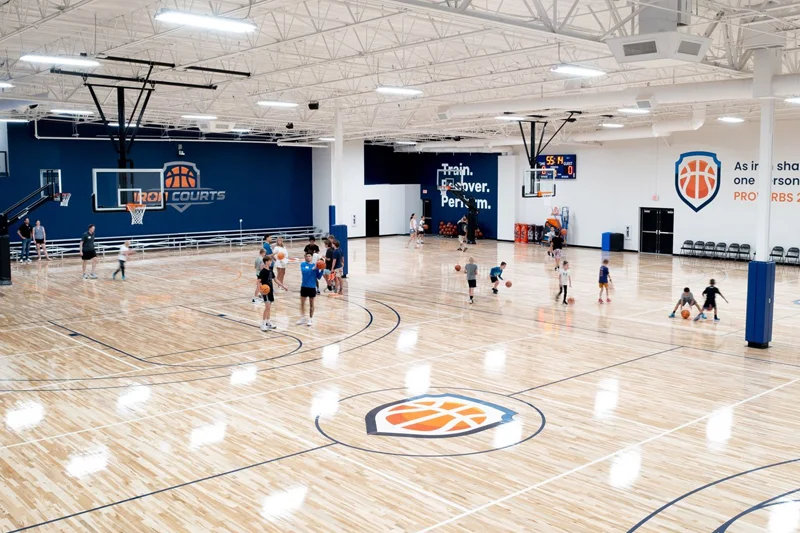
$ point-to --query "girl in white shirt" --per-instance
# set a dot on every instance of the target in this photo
(280, 264)
(412, 229)
(124, 252)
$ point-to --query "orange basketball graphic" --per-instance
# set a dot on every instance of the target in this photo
(436, 416)
(697, 178)
(180, 177)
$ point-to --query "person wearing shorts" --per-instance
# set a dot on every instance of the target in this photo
(338, 268)
(308, 289)
(556, 245)
(412, 230)
(328, 264)
(421, 230)
(564, 282)
(265, 277)
(603, 280)
(124, 252)
(710, 304)
(40, 238)
(687, 298)
(462, 234)
(471, 269)
(280, 264)
(88, 252)
(259, 265)
(496, 275)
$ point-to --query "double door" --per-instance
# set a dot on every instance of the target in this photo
(656, 227)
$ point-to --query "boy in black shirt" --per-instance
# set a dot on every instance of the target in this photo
(311, 247)
(462, 234)
(24, 233)
(265, 278)
(329, 264)
(711, 293)
(556, 244)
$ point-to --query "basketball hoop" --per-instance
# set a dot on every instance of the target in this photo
(63, 198)
(137, 212)
(443, 189)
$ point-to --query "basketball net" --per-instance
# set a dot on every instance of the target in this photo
(443, 189)
(63, 198)
(137, 213)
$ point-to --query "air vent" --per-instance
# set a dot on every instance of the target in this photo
(644, 104)
(659, 49)
(443, 114)
(638, 49)
(689, 47)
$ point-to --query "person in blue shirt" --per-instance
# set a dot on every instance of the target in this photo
(605, 277)
(308, 289)
(495, 275)
(266, 244)
(338, 268)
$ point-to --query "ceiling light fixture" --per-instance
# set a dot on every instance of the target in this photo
(273, 103)
(13, 120)
(241, 130)
(399, 91)
(59, 60)
(327, 139)
(731, 120)
(71, 112)
(510, 118)
(406, 143)
(199, 117)
(793, 100)
(575, 70)
(5, 85)
(612, 125)
(208, 22)
(633, 111)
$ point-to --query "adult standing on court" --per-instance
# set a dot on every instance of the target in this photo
(40, 238)
(24, 231)
(308, 289)
(412, 230)
(462, 234)
(338, 268)
(281, 260)
(87, 251)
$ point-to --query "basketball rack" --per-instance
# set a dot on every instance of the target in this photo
(137, 212)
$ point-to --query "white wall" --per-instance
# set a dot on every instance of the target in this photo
(507, 194)
(616, 179)
(397, 202)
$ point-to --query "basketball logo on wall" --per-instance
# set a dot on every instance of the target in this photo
(433, 416)
(697, 178)
(182, 186)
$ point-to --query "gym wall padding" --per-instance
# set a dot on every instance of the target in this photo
(265, 185)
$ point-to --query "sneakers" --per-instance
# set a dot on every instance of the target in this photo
(608, 300)
(471, 300)
(600, 300)
(85, 276)
(123, 278)
(565, 303)
(28, 261)
(256, 299)
(114, 275)
(301, 321)
(495, 291)
(310, 322)
(672, 315)
(698, 317)
(716, 319)
(93, 275)
(266, 326)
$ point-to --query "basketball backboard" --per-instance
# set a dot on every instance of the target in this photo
(50, 175)
(539, 183)
(114, 188)
(451, 176)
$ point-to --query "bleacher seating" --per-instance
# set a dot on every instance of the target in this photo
(176, 241)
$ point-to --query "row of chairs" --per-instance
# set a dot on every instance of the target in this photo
(717, 250)
(789, 257)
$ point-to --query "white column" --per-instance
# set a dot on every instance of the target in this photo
(766, 63)
(764, 202)
(337, 168)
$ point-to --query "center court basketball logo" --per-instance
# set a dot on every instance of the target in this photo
(182, 187)
(436, 416)
(697, 178)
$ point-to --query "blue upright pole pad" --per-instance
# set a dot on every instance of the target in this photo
(340, 232)
(760, 303)
(331, 217)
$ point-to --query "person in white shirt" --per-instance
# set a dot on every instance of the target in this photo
(564, 280)
(281, 256)
(124, 252)
(412, 229)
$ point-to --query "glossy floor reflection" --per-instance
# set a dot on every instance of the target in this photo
(157, 404)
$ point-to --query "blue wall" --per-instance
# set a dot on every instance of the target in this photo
(383, 165)
(265, 185)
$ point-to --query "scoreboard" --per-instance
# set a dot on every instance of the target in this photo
(564, 164)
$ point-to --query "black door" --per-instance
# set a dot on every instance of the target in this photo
(426, 214)
(655, 230)
(373, 218)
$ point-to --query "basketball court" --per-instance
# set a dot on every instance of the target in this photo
(388, 144)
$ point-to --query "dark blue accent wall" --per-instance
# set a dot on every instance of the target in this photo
(265, 185)
(383, 165)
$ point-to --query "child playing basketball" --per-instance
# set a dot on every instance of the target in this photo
(711, 293)
(556, 244)
(496, 275)
(124, 252)
(308, 289)
(471, 269)
(687, 298)
(564, 279)
(265, 277)
(603, 281)
(259, 265)
(266, 244)
(338, 268)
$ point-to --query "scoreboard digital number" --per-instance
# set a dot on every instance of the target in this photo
(564, 165)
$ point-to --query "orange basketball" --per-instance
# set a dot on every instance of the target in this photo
(697, 179)
(281, 256)
(264, 289)
(320, 265)
(685, 313)
(508, 284)
(563, 233)
(458, 267)
(570, 300)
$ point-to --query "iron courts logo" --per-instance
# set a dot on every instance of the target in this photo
(182, 187)
(436, 416)
(697, 178)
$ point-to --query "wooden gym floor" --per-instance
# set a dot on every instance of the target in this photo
(157, 404)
